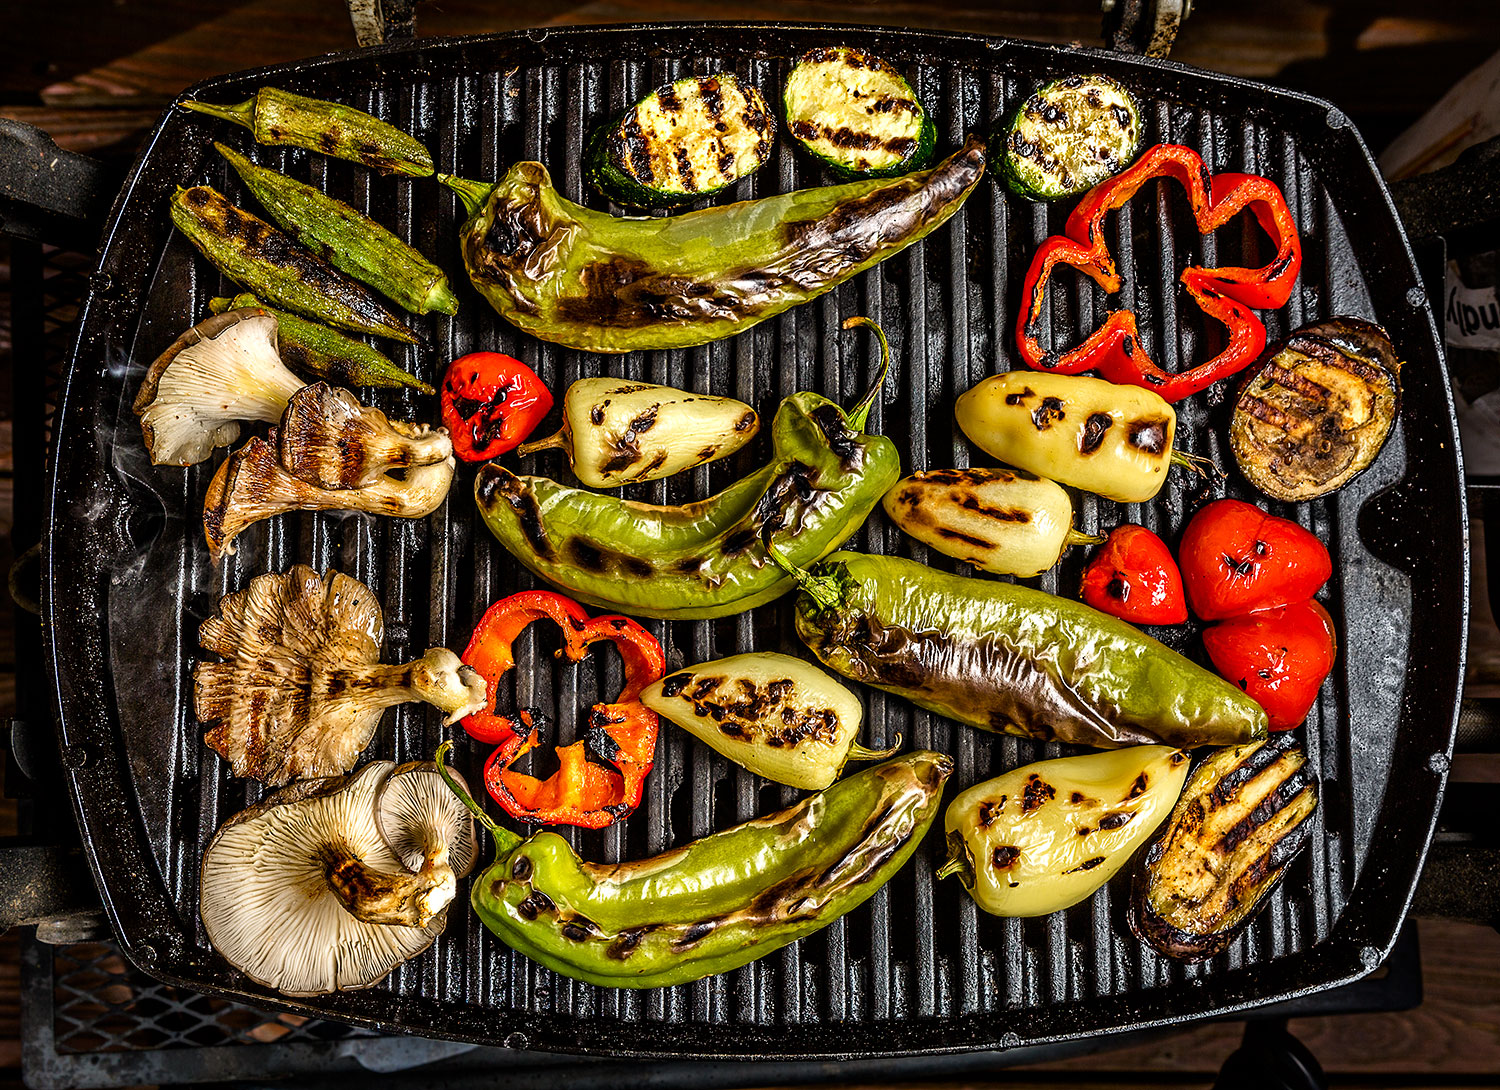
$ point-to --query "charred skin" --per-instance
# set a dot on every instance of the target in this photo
(587, 280)
(775, 879)
(1242, 817)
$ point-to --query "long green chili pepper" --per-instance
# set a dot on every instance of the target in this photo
(705, 559)
(315, 349)
(717, 903)
(346, 238)
(1010, 658)
(593, 281)
(280, 117)
(251, 252)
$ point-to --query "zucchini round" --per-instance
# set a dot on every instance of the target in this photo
(1315, 414)
(857, 114)
(1068, 137)
(684, 141)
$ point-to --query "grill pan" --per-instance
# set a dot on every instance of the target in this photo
(917, 969)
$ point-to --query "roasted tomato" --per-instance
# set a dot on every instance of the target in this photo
(1134, 577)
(1236, 559)
(1278, 656)
(491, 403)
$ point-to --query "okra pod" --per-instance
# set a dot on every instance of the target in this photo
(315, 349)
(251, 252)
(280, 117)
(346, 238)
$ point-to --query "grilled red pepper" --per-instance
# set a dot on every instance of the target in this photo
(1236, 559)
(1134, 577)
(1279, 657)
(491, 403)
(621, 734)
(1225, 293)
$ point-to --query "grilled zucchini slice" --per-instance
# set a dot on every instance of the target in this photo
(1317, 411)
(857, 114)
(1068, 137)
(1240, 820)
(687, 140)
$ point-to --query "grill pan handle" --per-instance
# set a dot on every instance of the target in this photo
(48, 194)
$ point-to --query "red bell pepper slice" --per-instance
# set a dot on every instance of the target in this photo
(491, 403)
(1226, 293)
(621, 734)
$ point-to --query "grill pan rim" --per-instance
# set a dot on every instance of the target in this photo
(141, 910)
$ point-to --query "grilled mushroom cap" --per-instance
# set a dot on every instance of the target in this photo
(328, 439)
(225, 369)
(301, 688)
(304, 894)
(422, 819)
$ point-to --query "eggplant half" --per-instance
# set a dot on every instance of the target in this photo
(1240, 820)
(1315, 414)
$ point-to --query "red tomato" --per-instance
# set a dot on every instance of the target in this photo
(491, 403)
(1236, 559)
(1133, 577)
(1278, 656)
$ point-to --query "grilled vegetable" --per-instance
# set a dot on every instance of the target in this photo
(301, 688)
(1009, 658)
(689, 139)
(280, 117)
(584, 279)
(775, 715)
(621, 735)
(1113, 440)
(327, 438)
(347, 239)
(223, 370)
(1043, 837)
(316, 350)
(1069, 136)
(251, 252)
(1006, 521)
(1134, 578)
(709, 558)
(1317, 412)
(714, 904)
(1278, 657)
(857, 114)
(1240, 821)
(618, 432)
(490, 403)
(1236, 558)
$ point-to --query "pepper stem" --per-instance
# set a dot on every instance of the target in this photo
(470, 192)
(820, 588)
(505, 840)
(558, 441)
(1204, 467)
(861, 412)
(858, 752)
(950, 868)
(243, 114)
(1077, 537)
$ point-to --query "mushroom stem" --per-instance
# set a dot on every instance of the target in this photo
(438, 678)
(408, 898)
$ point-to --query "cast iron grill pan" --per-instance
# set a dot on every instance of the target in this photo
(917, 969)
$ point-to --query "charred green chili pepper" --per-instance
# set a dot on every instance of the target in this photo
(600, 283)
(251, 252)
(1010, 658)
(315, 349)
(347, 239)
(717, 903)
(705, 559)
(280, 117)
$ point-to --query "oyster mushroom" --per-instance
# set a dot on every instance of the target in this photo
(306, 894)
(301, 688)
(327, 438)
(224, 370)
(252, 485)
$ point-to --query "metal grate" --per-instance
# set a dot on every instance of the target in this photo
(917, 968)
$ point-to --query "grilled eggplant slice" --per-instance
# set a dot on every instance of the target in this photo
(857, 114)
(687, 140)
(1239, 822)
(1315, 414)
(1068, 137)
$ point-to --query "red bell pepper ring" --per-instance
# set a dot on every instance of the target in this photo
(1226, 293)
(621, 734)
(491, 403)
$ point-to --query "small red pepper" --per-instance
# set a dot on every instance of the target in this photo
(491, 403)
(1134, 577)
(1225, 293)
(1278, 656)
(1237, 558)
(621, 734)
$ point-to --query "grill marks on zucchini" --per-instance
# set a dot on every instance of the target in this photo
(1069, 136)
(683, 141)
(856, 113)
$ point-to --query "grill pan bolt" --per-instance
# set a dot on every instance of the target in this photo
(75, 756)
(1438, 763)
(1416, 296)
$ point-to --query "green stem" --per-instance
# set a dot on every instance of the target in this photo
(243, 114)
(861, 412)
(505, 840)
(858, 752)
(556, 441)
(950, 868)
(1204, 467)
(472, 193)
(1076, 537)
(822, 589)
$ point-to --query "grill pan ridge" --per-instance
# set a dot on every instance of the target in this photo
(918, 968)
